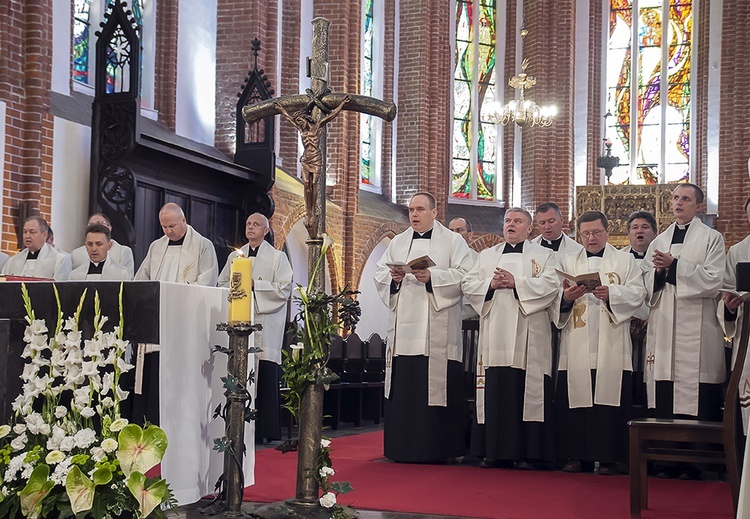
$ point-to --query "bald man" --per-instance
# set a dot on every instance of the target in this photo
(272, 286)
(182, 255)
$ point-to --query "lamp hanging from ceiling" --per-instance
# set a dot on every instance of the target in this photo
(522, 111)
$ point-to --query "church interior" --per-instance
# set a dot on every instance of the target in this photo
(156, 117)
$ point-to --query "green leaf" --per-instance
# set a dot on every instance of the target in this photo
(80, 490)
(140, 450)
(341, 487)
(35, 491)
(102, 476)
(148, 498)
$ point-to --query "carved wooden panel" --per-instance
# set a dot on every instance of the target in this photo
(619, 202)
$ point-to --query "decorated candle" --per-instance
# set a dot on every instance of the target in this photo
(240, 290)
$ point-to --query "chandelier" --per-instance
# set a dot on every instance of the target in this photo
(522, 111)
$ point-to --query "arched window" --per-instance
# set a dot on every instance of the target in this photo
(474, 171)
(371, 84)
(649, 62)
(86, 13)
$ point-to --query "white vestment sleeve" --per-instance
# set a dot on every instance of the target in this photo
(446, 283)
(627, 298)
(271, 296)
(702, 279)
(208, 265)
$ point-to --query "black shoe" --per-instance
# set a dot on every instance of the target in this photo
(524, 465)
(573, 466)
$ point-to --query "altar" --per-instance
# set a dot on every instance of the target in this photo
(182, 320)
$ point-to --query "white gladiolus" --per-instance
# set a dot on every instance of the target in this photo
(88, 412)
(19, 442)
(121, 394)
(60, 411)
(54, 441)
(325, 443)
(19, 428)
(328, 500)
(123, 366)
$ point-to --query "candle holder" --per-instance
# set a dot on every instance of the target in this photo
(607, 161)
(236, 411)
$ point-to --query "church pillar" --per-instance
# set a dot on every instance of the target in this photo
(548, 153)
(288, 156)
(734, 133)
(25, 88)
(596, 80)
(423, 124)
(165, 76)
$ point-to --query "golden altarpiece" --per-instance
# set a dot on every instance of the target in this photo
(618, 202)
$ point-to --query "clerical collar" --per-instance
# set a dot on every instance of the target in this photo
(679, 233)
(95, 268)
(599, 254)
(638, 255)
(554, 244)
(177, 242)
(518, 247)
(426, 236)
(33, 255)
(251, 253)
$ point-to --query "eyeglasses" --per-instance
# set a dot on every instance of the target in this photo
(595, 234)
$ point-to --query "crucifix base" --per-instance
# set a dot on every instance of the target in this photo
(293, 509)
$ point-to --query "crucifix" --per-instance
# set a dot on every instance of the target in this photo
(309, 113)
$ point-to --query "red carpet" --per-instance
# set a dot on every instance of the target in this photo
(485, 493)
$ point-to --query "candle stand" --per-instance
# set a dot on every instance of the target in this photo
(236, 412)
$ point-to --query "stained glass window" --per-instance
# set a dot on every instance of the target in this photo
(649, 93)
(84, 47)
(81, 26)
(365, 123)
(474, 173)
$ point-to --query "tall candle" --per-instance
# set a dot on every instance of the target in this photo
(240, 290)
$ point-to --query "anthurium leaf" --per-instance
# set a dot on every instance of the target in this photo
(80, 490)
(35, 491)
(102, 476)
(139, 449)
(148, 498)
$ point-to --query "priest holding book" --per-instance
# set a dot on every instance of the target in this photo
(425, 408)
(594, 395)
(511, 287)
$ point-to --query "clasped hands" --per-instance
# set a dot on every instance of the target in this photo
(662, 260)
(502, 279)
(731, 301)
(572, 292)
(422, 275)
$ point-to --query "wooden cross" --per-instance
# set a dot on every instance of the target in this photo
(309, 113)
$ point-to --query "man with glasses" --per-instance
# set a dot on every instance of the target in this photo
(594, 396)
(272, 286)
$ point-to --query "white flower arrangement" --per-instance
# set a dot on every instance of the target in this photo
(330, 489)
(67, 450)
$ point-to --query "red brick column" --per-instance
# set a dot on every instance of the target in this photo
(165, 77)
(25, 85)
(290, 65)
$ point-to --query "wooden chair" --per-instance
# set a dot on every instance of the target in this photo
(648, 437)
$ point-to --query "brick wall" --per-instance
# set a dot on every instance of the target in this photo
(25, 85)
(238, 23)
(734, 135)
(290, 66)
(547, 166)
(165, 80)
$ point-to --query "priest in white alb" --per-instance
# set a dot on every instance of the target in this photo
(272, 286)
(425, 410)
(550, 223)
(38, 259)
(182, 255)
(683, 272)
(512, 286)
(120, 254)
(594, 393)
(100, 267)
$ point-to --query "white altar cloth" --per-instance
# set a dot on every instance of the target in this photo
(190, 388)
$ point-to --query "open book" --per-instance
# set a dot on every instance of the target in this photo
(744, 296)
(590, 280)
(420, 263)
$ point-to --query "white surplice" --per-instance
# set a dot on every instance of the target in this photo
(3, 260)
(122, 254)
(739, 252)
(421, 322)
(49, 264)
(193, 262)
(684, 341)
(515, 332)
(111, 271)
(272, 286)
(595, 335)
(644, 310)
(567, 246)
